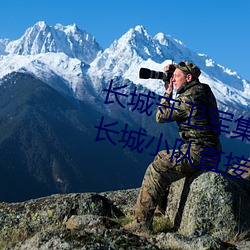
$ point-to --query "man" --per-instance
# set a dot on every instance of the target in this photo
(195, 113)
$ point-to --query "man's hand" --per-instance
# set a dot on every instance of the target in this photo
(168, 85)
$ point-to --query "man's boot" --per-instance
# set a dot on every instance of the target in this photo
(137, 226)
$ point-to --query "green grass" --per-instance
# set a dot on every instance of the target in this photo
(123, 220)
(160, 223)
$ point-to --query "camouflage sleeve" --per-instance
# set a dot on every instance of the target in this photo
(177, 110)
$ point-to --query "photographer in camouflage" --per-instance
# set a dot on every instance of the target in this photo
(197, 129)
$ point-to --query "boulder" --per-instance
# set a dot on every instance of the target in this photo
(209, 203)
(207, 211)
(85, 239)
(178, 241)
(23, 219)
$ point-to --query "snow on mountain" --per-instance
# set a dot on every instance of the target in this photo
(137, 49)
(57, 55)
(70, 60)
(132, 48)
(42, 38)
(3, 43)
(63, 73)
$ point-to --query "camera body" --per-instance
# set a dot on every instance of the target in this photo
(146, 73)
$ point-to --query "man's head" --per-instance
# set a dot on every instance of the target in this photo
(185, 72)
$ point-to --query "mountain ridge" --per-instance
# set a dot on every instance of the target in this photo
(42, 38)
(66, 137)
(47, 142)
(135, 49)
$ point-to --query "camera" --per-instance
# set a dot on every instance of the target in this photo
(145, 73)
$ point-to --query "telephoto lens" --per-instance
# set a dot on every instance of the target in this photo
(147, 73)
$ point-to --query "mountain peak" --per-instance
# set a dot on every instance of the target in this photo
(133, 48)
(69, 28)
(41, 24)
(140, 29)
(167, 40)
(42, 38)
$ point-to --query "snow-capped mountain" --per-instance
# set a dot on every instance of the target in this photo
(63, 73)
(53, 137)
(137, 49)
(57, 55)
(73, 55)
(41, 38)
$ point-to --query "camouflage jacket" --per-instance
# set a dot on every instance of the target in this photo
(195, 111)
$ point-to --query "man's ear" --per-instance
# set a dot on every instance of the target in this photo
(189, 77)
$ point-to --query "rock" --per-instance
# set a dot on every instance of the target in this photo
(243, 245)
(20, 220)
(85, 239)
(124, 199)
(208, 210)
(209, 204)
(90, 221)
(178, 241)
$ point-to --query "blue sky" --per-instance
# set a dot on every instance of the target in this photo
(218, 28)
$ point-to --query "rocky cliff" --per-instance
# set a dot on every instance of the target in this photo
(206, 211)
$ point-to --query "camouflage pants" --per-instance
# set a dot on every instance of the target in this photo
(158, 177)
